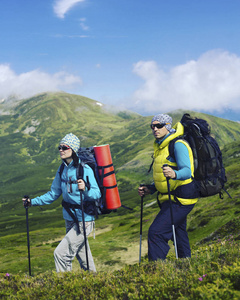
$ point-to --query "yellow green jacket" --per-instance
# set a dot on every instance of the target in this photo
(184, 190)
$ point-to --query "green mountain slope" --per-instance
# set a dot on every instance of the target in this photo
(29, 136)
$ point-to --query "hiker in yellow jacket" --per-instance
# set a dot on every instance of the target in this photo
(184, 193)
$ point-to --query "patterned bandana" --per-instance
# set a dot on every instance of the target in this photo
(72, 141)
(161, 118)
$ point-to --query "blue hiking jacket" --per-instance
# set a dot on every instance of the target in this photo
(70, 192)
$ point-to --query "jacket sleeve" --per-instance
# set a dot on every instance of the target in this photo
(183, 161)
(54, 193)
(93, 193)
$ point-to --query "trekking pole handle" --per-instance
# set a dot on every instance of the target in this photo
(166, 165)
(141, 185)
(26, 202)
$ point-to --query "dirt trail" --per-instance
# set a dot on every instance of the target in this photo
(129, 257)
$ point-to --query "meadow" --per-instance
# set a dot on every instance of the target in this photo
(29, 162)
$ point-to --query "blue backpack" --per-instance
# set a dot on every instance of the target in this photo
(95, 207)
(209, 172)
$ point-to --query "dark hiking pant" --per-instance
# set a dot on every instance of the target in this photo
(160, 232)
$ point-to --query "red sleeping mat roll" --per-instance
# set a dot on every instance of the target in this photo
(106, 169)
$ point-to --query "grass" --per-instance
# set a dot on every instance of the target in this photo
(116, 247)
(213, 272)
(117, 235)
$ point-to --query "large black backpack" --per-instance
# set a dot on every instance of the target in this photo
(209, 172)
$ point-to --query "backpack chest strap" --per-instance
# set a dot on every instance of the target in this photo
(69, 184)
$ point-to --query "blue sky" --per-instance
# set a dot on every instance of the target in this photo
(147, 56)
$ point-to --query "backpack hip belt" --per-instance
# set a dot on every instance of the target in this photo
(68, 206)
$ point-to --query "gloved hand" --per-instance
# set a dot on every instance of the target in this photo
(26, 201)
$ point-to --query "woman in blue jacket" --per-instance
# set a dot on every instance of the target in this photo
(66, 184)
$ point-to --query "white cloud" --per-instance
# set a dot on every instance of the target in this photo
(83, 25)
(76, 36)
(30, 83)
(210, 83)
(61, 7)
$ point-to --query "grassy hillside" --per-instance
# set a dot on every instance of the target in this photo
(213, 272)
(29, 135)
(29, 159)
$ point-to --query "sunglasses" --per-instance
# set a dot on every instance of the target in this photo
(158, 125)
(64, 148)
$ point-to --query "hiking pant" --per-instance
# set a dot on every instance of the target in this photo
(72, 245)
(160, 231)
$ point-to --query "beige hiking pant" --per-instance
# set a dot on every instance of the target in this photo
(72, 245)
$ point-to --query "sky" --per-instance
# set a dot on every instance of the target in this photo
(149, 57)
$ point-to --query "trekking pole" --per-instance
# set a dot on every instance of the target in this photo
(171, 212)
(84, 229)
(141, 219)
(28, 240)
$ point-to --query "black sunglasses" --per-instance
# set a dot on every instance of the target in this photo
(158, 125)
(63, 148)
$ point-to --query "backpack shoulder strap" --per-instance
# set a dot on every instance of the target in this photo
(61, 169)
(80, 171)
(150, 167)
(171, 148)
